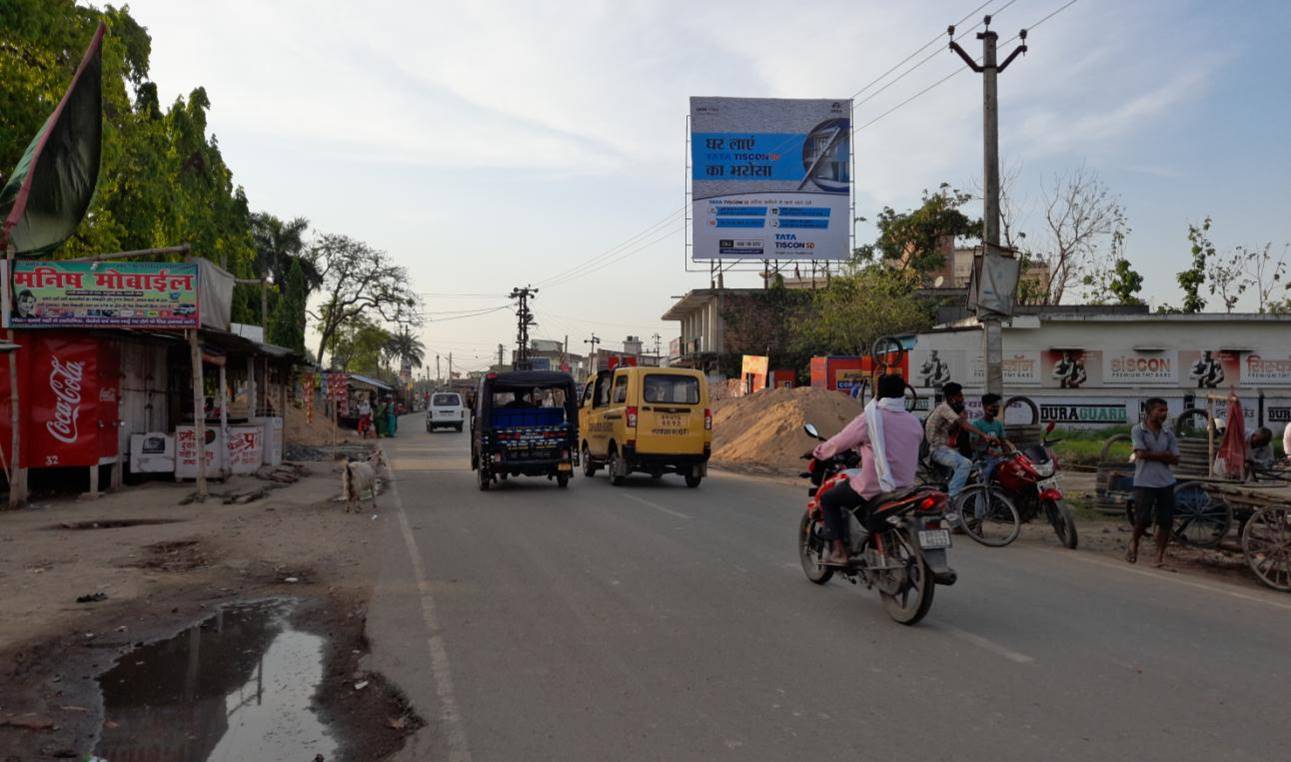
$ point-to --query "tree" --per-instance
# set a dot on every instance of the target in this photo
(1080, 214)
(1192, 279)
(405, 347)
(1266, 272)
(358, 347)
(858, 308)
(1115, 279)
(1227, 279)
(288, 326)
(358, 281)
(278, 245)
(916, 239)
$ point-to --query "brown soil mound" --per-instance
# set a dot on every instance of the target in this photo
(318, 433)
(763, 432)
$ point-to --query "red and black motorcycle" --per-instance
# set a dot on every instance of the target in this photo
(1029, 477)
(899, 545)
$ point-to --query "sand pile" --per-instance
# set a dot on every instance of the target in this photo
(296, 430)
(763, 432)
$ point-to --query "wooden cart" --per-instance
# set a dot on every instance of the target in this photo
(1212, 513)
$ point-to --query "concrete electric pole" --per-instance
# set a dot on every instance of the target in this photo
(595, 361)
(992, 333)
(524, 319)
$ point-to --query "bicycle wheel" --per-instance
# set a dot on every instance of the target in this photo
(988, 515)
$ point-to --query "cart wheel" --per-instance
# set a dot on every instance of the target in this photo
(1199, 520)
(1266, 541)
(1191, 423)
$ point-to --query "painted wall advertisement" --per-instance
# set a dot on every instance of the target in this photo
(1131, 368)
(770, 178)
(49, 294)
(934, 368)
(1071, 368)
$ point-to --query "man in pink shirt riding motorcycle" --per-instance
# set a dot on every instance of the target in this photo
(888, 438)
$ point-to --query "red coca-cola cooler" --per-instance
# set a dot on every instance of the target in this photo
(69, 388)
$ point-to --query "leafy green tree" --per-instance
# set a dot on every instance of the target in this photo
(358, 347)
(858, 308)
(916, 239)
(1194, 278)
(287, 328)
(1116, 281)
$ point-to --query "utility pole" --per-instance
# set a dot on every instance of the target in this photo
(990, 69)
(438, 377)
(450, 367)
(564, 353)
(657, 345)
(524, 319)
(500, 348)
(596, 365)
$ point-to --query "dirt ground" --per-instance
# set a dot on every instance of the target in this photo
(762, 433)
(162, 576)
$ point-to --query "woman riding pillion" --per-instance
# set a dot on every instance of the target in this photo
(888, 438)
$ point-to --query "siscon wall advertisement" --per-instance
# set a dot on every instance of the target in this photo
(770, 178)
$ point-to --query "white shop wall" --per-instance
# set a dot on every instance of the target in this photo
(1126, 362)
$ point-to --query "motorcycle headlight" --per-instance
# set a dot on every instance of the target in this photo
(1044, 469)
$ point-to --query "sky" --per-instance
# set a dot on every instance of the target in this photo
(487, 145)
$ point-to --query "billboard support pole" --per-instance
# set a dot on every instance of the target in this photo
(17, 474)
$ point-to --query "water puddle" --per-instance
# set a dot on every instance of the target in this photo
(239, 686)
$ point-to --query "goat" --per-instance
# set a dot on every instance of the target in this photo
(358, 477)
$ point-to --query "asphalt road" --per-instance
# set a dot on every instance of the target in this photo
(657, 622)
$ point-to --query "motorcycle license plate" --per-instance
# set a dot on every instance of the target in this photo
(932, 539)
(1050, 483)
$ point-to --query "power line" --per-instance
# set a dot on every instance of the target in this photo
(617, 259)
(925, 46)
(932, 55)
(470, 315)
(611, 251)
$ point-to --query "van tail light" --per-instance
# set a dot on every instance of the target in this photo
(708, 420)
(632, 418)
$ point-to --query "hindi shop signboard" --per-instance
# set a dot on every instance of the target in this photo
(770, 178)
(52, 294)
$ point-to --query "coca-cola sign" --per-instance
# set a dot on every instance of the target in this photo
(65, 384)
(62, 400)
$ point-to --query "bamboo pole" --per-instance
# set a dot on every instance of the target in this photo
(199, 413)
(224, 418)
(183, 249)
(17, 474)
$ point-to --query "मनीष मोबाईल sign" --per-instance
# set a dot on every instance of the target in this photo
(770, 178)
(51, 294)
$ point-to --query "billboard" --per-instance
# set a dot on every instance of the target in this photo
(50, 294)
(770, 178)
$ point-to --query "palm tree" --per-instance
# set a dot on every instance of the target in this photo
(278, 243)
(406, 346)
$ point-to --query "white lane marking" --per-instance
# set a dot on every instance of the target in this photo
(1176, 578)
(988, 644)
(656, 506)
(454, 733)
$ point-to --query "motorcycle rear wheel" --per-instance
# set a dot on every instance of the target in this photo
(811, 549)
(913, 602)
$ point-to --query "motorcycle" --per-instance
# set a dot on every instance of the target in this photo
(899, 547)
(1029, 478)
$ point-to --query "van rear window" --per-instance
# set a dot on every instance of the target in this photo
(669, 389)
(446, 400)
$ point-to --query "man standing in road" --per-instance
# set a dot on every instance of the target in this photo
(942, 430)
(1155, 450)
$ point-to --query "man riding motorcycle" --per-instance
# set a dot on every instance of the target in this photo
(888, 438)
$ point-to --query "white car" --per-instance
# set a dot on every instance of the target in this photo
(447, 410)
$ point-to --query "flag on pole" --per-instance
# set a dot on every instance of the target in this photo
(49, 191)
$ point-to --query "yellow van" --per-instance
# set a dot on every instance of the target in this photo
(647, 420)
